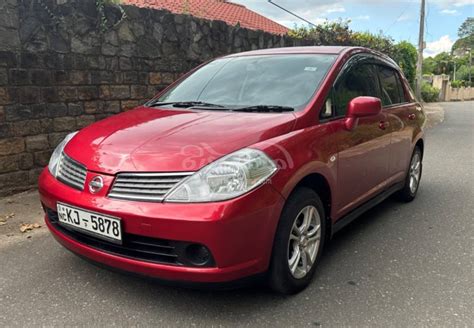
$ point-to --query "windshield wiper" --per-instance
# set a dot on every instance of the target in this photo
(185, 104)
(265, 109)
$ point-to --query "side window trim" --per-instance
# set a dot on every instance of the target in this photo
(371, 60)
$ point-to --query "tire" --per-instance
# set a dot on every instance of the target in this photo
(408, 192)
(303, 204)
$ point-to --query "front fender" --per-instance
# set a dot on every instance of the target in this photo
(301, 153)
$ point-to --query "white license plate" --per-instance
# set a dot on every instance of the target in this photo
(99, 225)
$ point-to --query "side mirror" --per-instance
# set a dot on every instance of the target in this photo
(361, 107)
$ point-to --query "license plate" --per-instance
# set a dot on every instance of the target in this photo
(96, 224)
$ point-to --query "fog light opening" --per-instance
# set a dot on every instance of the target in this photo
(198, 254)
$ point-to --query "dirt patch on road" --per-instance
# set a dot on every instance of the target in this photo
(21, 217)
(434, 114)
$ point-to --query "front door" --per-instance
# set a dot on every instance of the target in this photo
(363, 153)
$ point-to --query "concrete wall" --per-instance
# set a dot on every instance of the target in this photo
(460, 94)
(447, 93)
(61, 70)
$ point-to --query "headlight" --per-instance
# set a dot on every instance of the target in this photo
(56, 156)
(226, 178)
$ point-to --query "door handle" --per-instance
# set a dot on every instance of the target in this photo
(411, 116)
(383, 125)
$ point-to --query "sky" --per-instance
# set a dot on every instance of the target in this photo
(398, 19)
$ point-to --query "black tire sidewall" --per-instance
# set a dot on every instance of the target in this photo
(281, 278)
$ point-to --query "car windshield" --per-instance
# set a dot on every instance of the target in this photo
(269, 80)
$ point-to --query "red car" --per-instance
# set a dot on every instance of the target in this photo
(244, 167)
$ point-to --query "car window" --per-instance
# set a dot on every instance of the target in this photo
(401, 91)
(389, 86)
(282, 80)
(358, 80)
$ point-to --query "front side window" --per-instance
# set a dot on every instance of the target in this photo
(359, 80)
(280, 80)
(390, 85)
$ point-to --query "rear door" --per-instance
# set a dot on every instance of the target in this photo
(401, 114)
(363, 153)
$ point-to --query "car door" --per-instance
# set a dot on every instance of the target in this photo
(402, 114)
(363, 152)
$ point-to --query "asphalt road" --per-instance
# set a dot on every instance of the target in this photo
(398, 265)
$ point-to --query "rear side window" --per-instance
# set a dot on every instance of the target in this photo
(392, 93)
(359, 80)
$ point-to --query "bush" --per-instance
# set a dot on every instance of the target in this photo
(405, 54)
(458, 84)
(429, 93)
(338, 33)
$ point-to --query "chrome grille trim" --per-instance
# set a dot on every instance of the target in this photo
(148, 187)
(71, 172)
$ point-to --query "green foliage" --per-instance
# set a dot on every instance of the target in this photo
(335, 33)
(444, 63)
(406, 55)
(338, 33)
(466, 28)
(429, 65)
(377, 42)
(458, 84)
(463, 73)
(463, 43)
(429, 93)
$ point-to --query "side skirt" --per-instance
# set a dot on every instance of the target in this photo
(354, 214)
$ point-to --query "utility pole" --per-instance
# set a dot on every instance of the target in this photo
(421, 46)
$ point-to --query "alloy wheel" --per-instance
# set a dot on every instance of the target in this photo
(304, 241)
(415, 172)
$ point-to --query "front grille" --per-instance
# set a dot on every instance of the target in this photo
(145, 186)
(71, 172)
(133, 246)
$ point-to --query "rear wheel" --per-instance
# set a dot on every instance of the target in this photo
(298, 242)
(412, 181)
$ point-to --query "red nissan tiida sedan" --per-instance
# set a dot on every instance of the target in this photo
(244, 167)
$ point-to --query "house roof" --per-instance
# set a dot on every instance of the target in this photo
(229, 12)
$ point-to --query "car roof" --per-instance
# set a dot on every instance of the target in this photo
(335, 50)
(328, 50)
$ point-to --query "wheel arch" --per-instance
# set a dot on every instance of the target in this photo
(319, 184)
(421, 144)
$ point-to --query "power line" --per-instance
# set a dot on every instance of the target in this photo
(399, 16)
(291, 13)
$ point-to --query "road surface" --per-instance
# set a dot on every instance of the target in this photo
(398, 265)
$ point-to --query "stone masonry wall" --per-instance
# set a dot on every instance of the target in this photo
(61, 69)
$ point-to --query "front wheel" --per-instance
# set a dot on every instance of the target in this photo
(298, 242)
(412, 181)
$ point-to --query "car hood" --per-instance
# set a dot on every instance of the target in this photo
(163, 140)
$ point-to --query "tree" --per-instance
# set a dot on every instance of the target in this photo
(429, 65)
(339, 34)
(467, 28)
(405, 55)
(463, 73)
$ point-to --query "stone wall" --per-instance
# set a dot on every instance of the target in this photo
(62, 69)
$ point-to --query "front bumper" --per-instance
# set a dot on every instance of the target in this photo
(239, 232)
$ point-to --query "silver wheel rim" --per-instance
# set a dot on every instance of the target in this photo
(415, 172)
(303, 244)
